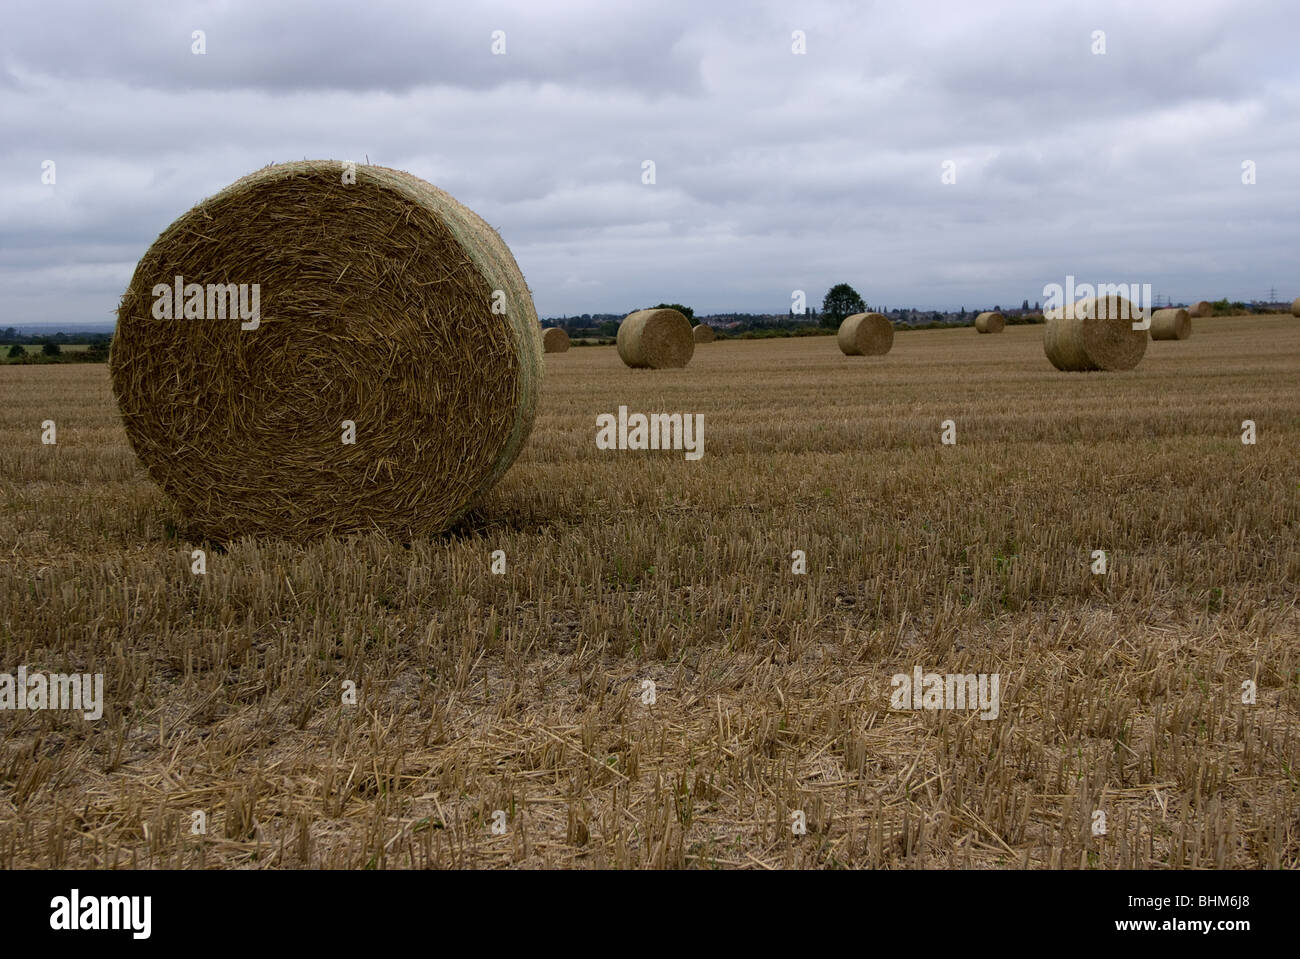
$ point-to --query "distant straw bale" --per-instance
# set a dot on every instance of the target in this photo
(1170, 324)
(865, 334)
(555, 340)
(656, 339)
(1094, 334)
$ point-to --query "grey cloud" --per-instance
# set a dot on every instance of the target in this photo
(775, 172)
(354, 46)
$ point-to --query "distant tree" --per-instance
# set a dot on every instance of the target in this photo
(685, 311)
(98, 351)
(9, 335)
(841, 300)
(1025, 305)
(1037, 307)
(16, 351)
(997, 309)
(51, 348)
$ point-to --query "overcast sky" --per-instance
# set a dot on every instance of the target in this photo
(775, 171)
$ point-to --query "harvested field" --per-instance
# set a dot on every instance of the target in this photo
(522, 692)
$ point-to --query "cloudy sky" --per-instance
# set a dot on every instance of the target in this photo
(774, 171)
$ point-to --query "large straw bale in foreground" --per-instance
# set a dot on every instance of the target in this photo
(703, 333)
(1200, 308)
(990, 322)
(1094, 334)
(865, 334)
(555, 340)
(383, 302)
(1170, 324)
(655, 339)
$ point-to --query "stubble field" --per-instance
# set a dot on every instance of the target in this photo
(1120, 693)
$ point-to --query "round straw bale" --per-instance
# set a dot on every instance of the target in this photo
(703, 333)
(865, 334)
(1170, 324)
(388, 379)
(990, 322)
(1094, 334)
(1295, 307)
(655, 339)
(1200, 308)
(555, 340)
